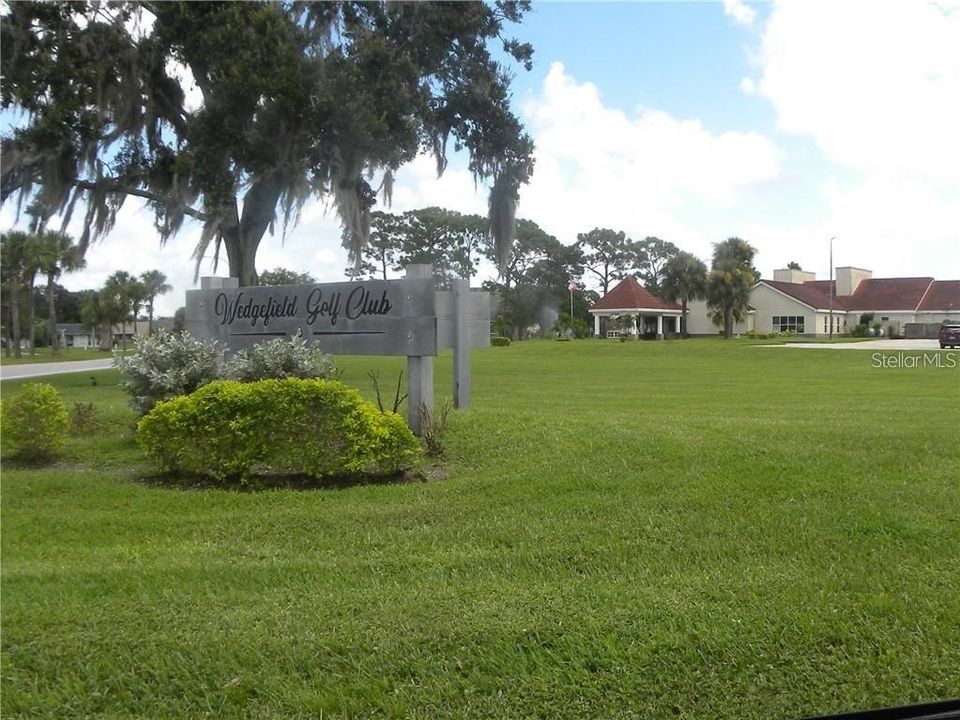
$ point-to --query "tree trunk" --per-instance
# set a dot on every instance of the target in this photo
(106, 335)
(150, 318)
(31, 311)
(52, 316)
(241, 255)
(683, 318)
(242, 238)
(728, 322)
(15, 314)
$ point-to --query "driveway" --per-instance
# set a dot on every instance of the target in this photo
(867, 345)
(10, 372)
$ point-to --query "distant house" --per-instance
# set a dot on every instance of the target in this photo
(81, 336)
(76, 335)
(654, 316)
(796, 301)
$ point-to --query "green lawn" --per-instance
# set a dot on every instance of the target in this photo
(45, 355)
(698, 529)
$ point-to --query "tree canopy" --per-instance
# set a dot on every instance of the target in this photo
(283, 276)
(294, 100)
(732, 275)
(607, 254)
(684, 279)
(649, 258)
(448, 240)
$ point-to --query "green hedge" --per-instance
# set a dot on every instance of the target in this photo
(34, 422)
(499, 341)
(229, 429)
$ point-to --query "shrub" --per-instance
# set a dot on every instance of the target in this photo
(229, 429)
(500, 341)
(84, 418)
(34, 422)
(278, 359)
(433, 428)
(164, 366)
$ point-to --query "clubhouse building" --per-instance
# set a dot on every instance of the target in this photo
(796, 301)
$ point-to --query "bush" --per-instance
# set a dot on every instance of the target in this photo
(278, 359)
(229, 429)
(34, 422)
(500, 341)
(84, 418)
(164, 366)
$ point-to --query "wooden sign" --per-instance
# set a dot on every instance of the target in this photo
(376, 317)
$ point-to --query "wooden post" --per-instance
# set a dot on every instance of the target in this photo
(461, 344)
(419, 370)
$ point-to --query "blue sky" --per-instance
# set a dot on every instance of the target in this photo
(784, 123)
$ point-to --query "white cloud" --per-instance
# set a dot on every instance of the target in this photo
(747, 86)
(877, 85)
(597, 166)
(742, 14)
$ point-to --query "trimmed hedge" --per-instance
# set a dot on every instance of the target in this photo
(499, 341)
(34, 422)
(229, 430)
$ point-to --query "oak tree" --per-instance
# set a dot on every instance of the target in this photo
(235, 114)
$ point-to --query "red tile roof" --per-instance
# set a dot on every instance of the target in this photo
(942, 295)
(889, 294)
(815, 294)
(630, 295)
(905, 294)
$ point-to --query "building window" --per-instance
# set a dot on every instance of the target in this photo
(785, 323)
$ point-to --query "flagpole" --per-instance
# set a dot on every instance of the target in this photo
(830, 285)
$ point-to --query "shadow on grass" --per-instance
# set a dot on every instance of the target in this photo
(290, 481)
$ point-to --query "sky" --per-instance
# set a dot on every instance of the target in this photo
(786, 124)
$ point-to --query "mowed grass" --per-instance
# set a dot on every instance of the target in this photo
(46, 355)
(698, 529)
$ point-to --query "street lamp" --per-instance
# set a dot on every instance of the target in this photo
(830, 286)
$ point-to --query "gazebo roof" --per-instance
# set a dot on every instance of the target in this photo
(629, 295)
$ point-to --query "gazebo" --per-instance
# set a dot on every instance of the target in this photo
(630, 298)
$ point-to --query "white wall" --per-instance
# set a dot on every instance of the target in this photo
(699, 323)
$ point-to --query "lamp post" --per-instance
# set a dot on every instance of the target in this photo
(571, 287)
(830, 286)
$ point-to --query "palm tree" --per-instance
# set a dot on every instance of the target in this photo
(125, 293)
(155, 283)
(684, 279)
(14, 247)
(731, 278)
(59, 255)
(33, 259)
(97, 315)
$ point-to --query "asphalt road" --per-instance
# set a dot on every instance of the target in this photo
(887, 344)
(10, 372)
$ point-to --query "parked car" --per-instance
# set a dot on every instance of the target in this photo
(950, 335)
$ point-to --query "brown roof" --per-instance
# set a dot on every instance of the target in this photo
(889, 294)
(904, 294)
(815, 294)
(942, 295)
(630, 295)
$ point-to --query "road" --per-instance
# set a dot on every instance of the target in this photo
(10, 372)
(887, 344)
